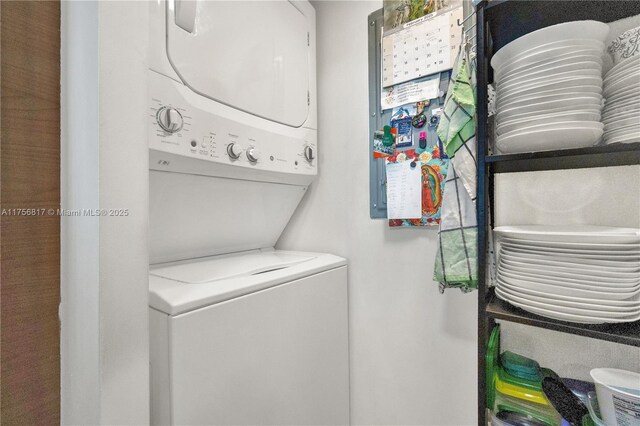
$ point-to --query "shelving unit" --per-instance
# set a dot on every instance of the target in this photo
(498, 23)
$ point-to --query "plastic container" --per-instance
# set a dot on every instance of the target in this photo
(520, 366)
(618, 396)
(510, 418)
(541, 412)
(517, 387)
(493, 351)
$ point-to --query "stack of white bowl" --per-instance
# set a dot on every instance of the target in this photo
(621, 116)
(549, 88)
(582, 274)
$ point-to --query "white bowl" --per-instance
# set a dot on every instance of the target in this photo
(559, 91)
(534, 99)
(565, 83)
(527, 74)
(574, 54)
(577, 103)
(566, 31)
(549, 139)
(525, 81)
(556, 64)
(546, 119)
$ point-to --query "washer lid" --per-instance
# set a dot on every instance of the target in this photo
(186, 286)
(218, 268)
(250, 55)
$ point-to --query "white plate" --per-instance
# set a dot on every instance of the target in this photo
(579, 275)
(624, 131)
(617, 70)
(520, 124)
(616, 285)
(633, 308)
(630, 303)
(526, 75)
(570, 259)
(621, 116)
(587, 292)
(623, 139)
(631, 80)
(612, 254)
(526, 81)
(623, 121)
(627, 73)
(626, 267)
(582, 319)
(626, 93)
(512, 103)
(612, 114)
(576, 245)
(566, 31)
(579, 103)
(576, 310)
(575, 234)
(622, 98)
(564, 84)
(533, 62)
(549, 139)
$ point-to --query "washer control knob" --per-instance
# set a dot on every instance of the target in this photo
(308, 153)
(169, 119)
(234, 150)
(253, 154)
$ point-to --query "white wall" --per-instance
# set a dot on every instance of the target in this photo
(104, 279)
(413, 350)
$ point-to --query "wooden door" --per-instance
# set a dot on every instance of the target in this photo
(29, 225)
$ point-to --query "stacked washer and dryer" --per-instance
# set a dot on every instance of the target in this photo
(241, 333)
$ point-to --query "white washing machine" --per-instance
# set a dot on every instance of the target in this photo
(240, 333)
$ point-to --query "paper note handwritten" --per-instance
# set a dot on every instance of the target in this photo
(404, 196)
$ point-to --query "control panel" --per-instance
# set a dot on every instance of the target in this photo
(184, 123)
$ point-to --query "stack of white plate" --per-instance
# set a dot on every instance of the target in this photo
(583, 274)
(621, 116)
(549, 88)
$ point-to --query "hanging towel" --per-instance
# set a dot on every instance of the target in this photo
(457, 124)
(456, 264)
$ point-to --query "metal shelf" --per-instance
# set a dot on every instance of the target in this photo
(625, 333)
(597, 156)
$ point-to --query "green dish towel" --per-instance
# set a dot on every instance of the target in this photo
(457, 124)
(456, 264)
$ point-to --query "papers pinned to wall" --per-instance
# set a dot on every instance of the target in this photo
(424, 46)
(413, 91)
(404, 196)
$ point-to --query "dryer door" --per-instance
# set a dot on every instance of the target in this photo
(250, 55)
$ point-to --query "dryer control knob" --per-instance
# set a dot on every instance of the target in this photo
(234, 150)
(169, 119)
(308, 153)
(253, 154)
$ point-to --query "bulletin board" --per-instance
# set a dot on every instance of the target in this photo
(378, 118)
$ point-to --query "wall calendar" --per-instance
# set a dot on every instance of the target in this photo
(422, 47)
